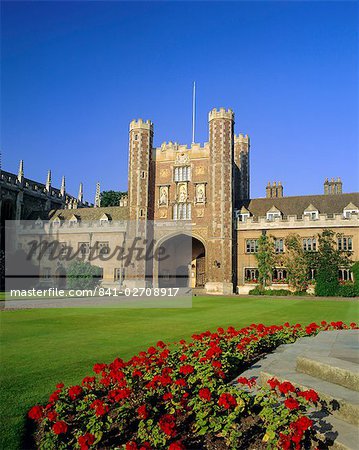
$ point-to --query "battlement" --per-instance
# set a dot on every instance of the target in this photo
(241, 138)
(174, 146)
(295, 222)
(144, 125)
(220, 113)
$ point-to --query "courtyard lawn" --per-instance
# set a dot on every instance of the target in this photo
(43, 347)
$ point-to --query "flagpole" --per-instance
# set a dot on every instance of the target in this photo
(193, 111)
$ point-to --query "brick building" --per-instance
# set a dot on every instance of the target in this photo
(205, 190)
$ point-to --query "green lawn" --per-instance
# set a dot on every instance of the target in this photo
(42, 347)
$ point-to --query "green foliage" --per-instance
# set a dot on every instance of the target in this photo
(348, 290)
(355, 271)
(266, 258)
(327, 261)
(111, 198)
(296, 263)
(83, 275)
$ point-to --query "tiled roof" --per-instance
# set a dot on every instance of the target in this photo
(295, 206)
(112, 212)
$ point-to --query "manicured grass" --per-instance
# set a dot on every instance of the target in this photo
(43, 347)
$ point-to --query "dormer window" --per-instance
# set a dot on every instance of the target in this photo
(104, 219)
(243, 214)
(56, 222)
(311, 212)
(38, 223)
(73, 221)
(349, 210)
(273, 214)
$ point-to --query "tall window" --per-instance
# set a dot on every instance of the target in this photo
(182, 211)
(251, 245)
(104, 248)
(119, 274)
(345, 275)
(310, 244)
(84, 248)
(279, 245)
(345, 243)
(251, 274)
(182, 173)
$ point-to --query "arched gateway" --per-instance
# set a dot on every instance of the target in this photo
(185, 262)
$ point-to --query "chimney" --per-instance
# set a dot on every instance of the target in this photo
(333, 186)
(280, 189)
(268, 190)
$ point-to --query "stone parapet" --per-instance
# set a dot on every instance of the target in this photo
(142, 124)
(323, 221)
(220, 113)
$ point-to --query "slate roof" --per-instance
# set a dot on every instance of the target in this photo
(296, 205)
(112, 212)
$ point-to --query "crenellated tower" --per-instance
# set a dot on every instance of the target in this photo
(139, 183)
(221, 168)
(241, 169)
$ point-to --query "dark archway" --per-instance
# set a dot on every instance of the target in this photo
(185, 264)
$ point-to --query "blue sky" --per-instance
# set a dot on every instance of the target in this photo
(74, 74)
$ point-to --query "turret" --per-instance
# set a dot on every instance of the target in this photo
(140, 189)
(63, 187)
(80, 196)
(98, 195)
(48, 181)
(20, 174)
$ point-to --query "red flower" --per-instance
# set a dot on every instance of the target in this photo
(60, 385)
(186, 369)
(161, 344)
(97, 368)
(227, 401)
(52, 416)
(181, 382)
(100, 407)
(309, 395)
(131, 446)
(59, 427)
(301, 424)
(74, 392)
(249, 382)
(36, 412)
(142, 412)
(167, 396)
(177, 446)
(273, 383)
(167, 424)
(119, 394)
(286, 387)
(86, 441)
(53, 397)
(291, 403)
(205, 394)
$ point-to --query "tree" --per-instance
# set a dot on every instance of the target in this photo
(83, 275)
(111, 198)
(327, 261)
(266, 258)
(296, 263)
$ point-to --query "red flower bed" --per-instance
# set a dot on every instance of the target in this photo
(179, 397)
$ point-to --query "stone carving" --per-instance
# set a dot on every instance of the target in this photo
(199, 170)
(182, 191)
(163, 213)
(182, 158)
(200, 193)
(200, 212)
(163, 195)
(164, 173)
